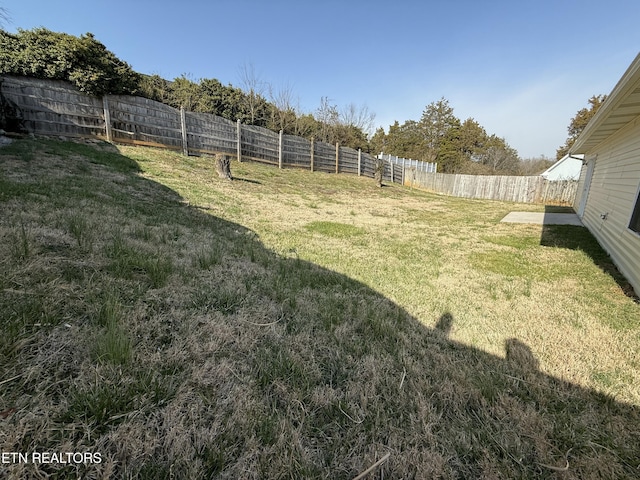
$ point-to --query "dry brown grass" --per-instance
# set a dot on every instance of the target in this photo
(297, 325)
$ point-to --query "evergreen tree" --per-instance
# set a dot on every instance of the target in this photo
(436, 121)
(83, 61)
(579, 122)
(457, 147)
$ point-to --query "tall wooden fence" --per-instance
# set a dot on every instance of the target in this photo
(529, 189)
(55, 108)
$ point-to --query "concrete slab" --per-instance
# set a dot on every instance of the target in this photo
(543, 218)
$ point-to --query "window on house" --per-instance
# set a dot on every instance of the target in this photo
(634, 224)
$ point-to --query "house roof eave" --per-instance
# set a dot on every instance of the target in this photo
(609, 118)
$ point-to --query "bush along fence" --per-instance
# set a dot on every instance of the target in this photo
(55, 108)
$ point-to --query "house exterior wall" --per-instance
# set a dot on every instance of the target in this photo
(566, 169)
(613, 191)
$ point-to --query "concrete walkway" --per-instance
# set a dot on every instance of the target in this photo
(543, 218)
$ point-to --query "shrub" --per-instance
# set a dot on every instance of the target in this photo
(83, 61)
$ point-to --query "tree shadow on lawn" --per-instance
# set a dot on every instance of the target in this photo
(247, 180)
(293, 370)
(580, 238)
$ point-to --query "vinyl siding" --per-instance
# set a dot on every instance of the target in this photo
(614, 188)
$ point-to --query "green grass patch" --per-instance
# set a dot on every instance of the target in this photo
(509, 264)
(113, 345)
(20, 242)
(130, 262)
(334, 229)
(513, 241)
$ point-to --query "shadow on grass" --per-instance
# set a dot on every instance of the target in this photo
(445, 322)
(329, 379)
(247, 180)
(558, 209)
(580, 238)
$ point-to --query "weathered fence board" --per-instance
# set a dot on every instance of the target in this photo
(348, 160)
(397, 173)
(146, 122)
(562, 192)
(368, 165)
(324, 157)
(53, 108)
(260, 144)
(297, 151)
(529, 189)
(208, 133)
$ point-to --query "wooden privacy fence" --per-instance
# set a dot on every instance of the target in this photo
(395, 168)
(55, 108)
(530, 189)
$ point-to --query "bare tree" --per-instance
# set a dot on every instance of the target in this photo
(284, 116)
(359, 117)
(502, 159)
(5, 18)
(254, 88)
(534, 166)
(328, 117)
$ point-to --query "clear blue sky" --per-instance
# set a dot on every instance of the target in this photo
(521, 69)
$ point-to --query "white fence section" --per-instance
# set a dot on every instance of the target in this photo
(419, 165)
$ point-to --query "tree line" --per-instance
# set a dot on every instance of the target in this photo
(93, 69)
(439, 136)
(457, 146)
(261, 105)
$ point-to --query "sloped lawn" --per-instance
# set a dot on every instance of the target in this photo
(291, 324)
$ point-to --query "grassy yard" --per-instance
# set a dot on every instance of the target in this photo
(291, 324)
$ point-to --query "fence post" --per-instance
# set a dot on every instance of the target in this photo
(359, 160)
(337, 155)
(280, 149)
(312, 150)
(107, 118)
(239, 140)
(183, 127)
(391, 165)
(403, 168)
